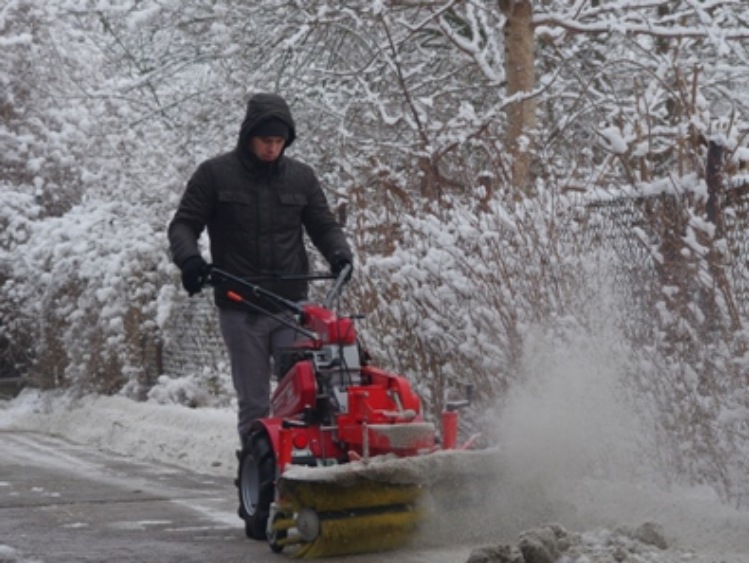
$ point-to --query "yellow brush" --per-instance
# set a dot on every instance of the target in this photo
(324, 518)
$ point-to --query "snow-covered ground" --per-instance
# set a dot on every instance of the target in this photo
(601, 520)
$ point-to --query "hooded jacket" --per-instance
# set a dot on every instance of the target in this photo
(256, 212)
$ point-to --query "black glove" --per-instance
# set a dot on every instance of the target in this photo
(338, 264)
(195, 272)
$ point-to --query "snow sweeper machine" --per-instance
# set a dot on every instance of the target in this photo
(345, 461)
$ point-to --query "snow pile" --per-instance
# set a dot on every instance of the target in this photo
(552, 543)
(203, 440)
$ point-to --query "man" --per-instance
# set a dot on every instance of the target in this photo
(255, 202)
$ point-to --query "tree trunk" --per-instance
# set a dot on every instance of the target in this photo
(714, 212)
(520, 57)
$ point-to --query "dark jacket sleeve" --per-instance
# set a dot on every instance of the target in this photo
(321, 226)
(191, 217)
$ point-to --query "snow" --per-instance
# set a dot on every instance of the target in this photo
(91, 184)
(197, 439)
(613, 140)
(537, 494)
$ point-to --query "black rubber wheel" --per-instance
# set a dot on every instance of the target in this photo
(257, 473)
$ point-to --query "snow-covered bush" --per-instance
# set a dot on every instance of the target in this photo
(45, 129)
(18, 213)
(83, 288)
(452, 301)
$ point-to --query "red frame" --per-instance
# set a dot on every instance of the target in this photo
(382, 398)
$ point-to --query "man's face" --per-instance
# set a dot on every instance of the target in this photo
(267, 149)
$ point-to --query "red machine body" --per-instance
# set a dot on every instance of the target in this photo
(331, 407)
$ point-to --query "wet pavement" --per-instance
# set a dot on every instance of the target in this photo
(63, 502)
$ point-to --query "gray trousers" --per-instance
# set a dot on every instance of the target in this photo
(253, 341)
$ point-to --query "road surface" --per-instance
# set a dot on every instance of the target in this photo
(62, 502)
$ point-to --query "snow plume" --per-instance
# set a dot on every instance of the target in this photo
(571, 417)
(567, 421)
(577, 447)
(567, 425)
